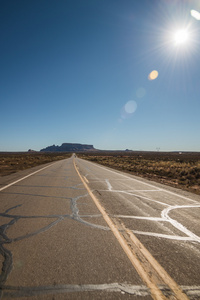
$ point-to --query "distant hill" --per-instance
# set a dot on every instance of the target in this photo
(68, 147)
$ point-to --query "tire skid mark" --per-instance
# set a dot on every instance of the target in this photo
(37, 195)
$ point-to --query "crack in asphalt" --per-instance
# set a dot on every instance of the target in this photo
(164, 216)
(76, 216)
(20, 291)
(4, 238)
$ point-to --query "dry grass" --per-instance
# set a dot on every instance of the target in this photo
(13, 162)
(179, 170)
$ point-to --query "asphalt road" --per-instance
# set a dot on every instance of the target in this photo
(77, 230)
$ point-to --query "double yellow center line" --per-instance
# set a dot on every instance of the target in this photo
(150, 271)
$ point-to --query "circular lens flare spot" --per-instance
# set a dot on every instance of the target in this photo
(130, 107)
(153, 75)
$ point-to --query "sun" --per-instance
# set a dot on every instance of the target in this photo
(181, 36)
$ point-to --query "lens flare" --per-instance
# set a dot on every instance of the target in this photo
(181, 36)
(141, 92)
(130, 107)
(153, 75)
(195, 14)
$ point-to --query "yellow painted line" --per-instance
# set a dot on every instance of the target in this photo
(146, 276)
(86, 179)
(159, 269)
(155, 291)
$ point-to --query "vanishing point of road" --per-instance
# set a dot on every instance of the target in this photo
(73, 229)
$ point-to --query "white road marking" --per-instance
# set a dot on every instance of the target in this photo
(143, 197)
(142, 191)
(10, 184)
(140, 181)
(109, 185)
(134, 290)
(160, 235)
(166, 236)
(142, 218)
(190, 236)
(178, 225)
(137, 290)
(138, 254)
(191, 290)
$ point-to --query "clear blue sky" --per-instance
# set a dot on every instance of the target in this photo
(77, 71)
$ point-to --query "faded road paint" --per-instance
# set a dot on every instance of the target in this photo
(145, 274)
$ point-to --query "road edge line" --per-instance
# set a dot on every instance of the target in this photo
(160, 189)
(10, 184)
(156, 293)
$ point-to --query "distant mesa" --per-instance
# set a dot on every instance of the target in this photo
(68, 147)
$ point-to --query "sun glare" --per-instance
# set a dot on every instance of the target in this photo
(195, 14)
(181, 36)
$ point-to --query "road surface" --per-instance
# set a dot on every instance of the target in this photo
(77, 230)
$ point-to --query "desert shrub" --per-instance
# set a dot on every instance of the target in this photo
(197, 175)
(171, 168)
